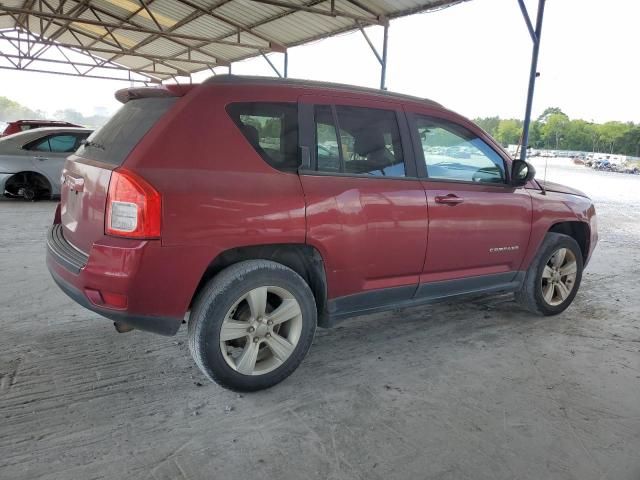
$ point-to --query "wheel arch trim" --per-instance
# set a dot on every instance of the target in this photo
(29, 172)
(306, 260)
(577, 229)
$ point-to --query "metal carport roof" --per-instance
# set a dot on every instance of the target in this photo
(161, 39)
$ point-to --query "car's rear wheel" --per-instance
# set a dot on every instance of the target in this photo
(553, 279)
(29, 186)
(252, 325)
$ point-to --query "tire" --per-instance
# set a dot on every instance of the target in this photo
(541, 291)
(227, 304)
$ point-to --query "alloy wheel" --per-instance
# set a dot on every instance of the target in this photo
(261, 330)
(559, 276)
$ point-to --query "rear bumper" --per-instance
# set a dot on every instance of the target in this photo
(146, 296)
(161, 325)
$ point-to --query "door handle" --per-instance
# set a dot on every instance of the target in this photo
(42, 159)
(449, 199)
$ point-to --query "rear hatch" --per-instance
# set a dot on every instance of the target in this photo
(87, 172)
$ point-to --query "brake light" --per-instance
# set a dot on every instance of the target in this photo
(133, 207)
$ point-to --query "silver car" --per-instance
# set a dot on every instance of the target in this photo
(31, 161)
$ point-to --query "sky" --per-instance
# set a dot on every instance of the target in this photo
(473, 58)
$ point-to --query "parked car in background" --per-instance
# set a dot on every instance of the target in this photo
(31, 161)
(23, 125)
(221, 203)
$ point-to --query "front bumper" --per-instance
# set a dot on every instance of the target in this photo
(114, 271)
(3, 181)
(593, 229)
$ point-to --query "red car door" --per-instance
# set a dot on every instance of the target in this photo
(366, 210)
(479, 225)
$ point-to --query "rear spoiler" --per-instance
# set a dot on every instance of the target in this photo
(134, 93)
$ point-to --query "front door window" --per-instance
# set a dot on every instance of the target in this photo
(451, 152)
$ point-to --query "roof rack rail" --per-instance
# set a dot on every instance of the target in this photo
(252, 80)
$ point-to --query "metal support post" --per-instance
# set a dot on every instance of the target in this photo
(533, 73)
(286, 64)
(383, 72)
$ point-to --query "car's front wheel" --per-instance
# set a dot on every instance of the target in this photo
(252, 325)
(553, 279)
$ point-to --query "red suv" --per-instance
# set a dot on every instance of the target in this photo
(258, 209)
(23, 125)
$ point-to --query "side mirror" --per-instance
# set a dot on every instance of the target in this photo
(521, 173)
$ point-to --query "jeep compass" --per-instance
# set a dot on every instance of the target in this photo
(257, 209)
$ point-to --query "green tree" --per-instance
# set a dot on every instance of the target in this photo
(611, 133)
(488, 124)
(509, 132)
(535, 135)
(548, 112)
(577, 135)
(10, 111)
(594, 138)
(554, 128)
(630, 142)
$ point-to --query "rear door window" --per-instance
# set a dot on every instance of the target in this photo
(40, 145)
(271, 129)
(365, 141)
(113, 142)
(63, 143)
(327, 146)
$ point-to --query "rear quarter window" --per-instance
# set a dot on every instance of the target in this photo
(271, 129)
(113, 142)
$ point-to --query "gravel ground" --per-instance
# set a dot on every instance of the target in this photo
(474, 390)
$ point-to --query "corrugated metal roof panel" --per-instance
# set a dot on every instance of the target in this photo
(206, 26)
(249, 13)
(201, 30)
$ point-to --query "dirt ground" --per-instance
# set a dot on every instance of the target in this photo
(475, 390)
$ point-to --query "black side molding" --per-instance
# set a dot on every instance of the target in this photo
(498, 282)
(413, 295)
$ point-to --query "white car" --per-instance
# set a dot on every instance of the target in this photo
(31, 161)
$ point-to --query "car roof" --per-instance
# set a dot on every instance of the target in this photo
(312, 84)
(60, 122)
(45, 130)
(21, 138)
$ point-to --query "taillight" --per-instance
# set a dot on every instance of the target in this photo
(133, 207)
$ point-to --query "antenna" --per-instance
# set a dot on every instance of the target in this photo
(544, 179)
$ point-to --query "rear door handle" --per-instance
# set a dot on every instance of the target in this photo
(42, 159)
(449, 199)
